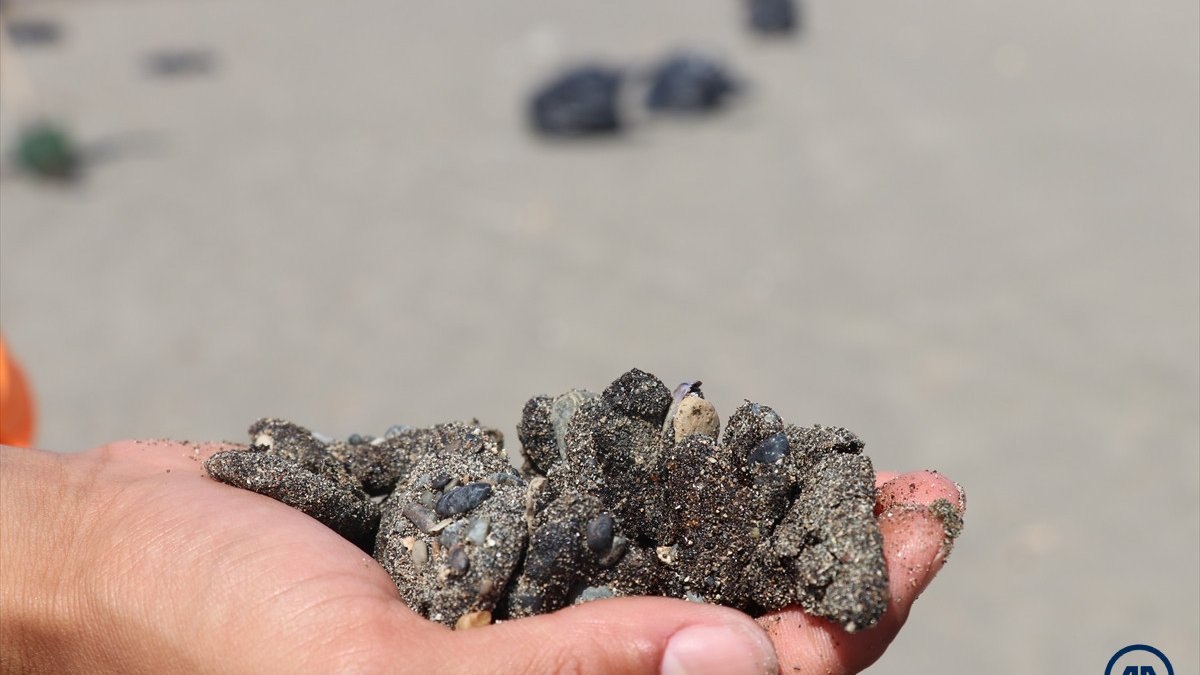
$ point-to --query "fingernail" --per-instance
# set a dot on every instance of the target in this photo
(713, 650)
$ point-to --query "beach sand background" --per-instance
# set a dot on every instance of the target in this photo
(968, 231)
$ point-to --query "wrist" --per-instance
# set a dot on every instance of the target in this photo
(40, 610)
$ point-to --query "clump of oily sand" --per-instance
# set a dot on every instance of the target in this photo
(634, 490)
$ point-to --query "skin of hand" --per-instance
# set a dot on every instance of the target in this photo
(129, 558)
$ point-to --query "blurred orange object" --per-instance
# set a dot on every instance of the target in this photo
(16, 403)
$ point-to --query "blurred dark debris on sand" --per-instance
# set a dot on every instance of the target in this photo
(579, 101)
(179, 62)
(32, 31)
(592, 99)
(47, 150)
(597, 99)
(773, 17)
(689, 82)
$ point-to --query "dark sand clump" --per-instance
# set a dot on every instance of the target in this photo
(632, 491)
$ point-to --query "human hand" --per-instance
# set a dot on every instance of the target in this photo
(129, 558)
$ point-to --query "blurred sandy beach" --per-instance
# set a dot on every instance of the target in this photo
(970, 232)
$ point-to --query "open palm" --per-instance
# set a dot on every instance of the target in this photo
(165, 569)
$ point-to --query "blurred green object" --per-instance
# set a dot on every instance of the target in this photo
(46, 150)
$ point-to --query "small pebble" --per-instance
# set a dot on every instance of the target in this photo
(666, 553)
(478, 531)
(504, 478)
(452, 534)
(473, 620)
(396, 430)
(462, 499)
(772, 449)
(441, 481)
(562, 410)
(356, 439)
(428, 499)
(595, 593)
(458, 560)
(600, 534)
(419, 554)
(422, 517)
(695, 415)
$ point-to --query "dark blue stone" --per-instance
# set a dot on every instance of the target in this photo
(772, 449)
(772, 16)
(689, 83)
(462, 499)
(581, 101)
(600, 533)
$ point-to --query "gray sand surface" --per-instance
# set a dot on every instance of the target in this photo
(969, 232)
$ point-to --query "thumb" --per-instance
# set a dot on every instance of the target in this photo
(623, 635)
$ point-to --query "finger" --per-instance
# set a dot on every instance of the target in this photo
(623, 635)
(883, 477)
(922, 517)
(918, 487)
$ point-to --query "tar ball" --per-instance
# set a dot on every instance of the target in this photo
(772, 17)
(689, 82)
(578, 102)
